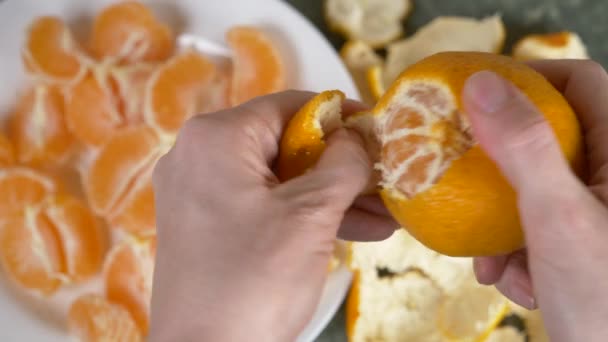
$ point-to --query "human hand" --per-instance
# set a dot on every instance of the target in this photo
(563, 269)
(241, 257)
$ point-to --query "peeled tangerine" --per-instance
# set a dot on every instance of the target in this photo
(434, 179)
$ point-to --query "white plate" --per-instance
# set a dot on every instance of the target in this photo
(312, 64)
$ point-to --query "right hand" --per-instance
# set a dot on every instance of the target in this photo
(564, 268)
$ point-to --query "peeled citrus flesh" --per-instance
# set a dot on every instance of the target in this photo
(92, 111)
(135, 213)
(258, 68)
(128, 154)
(128, 278)
(375, 22)
(303, 140)
(7, 152)
(128, 31)
(38, 128)
(174, 90)
(359, 58)
(92, 318)
(559, 45)
(444, 34)
(21, 188)
(50, 52)
(131, 85)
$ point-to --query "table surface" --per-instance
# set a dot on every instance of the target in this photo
(521, 17)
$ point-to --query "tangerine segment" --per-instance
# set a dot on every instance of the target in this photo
(22, 188)
(131, 83)
(175, 90)
(303, 140)
(82, 239)
(436, 181)
(137, 214)
(128, 278)
(127, 154)
(129, 31)
(51, 52)
(38, 127)
(92, 112)
(7, 152)
(93, 318)
(258, 68)
(30, 251)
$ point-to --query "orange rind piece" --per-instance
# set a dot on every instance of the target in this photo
(128, 277)
(359, 58)
(303, 141)
(51, 53)
(129, 32)
(38, 128)
(175, 90)
(558, 45)
(258, 68)
(92, 318)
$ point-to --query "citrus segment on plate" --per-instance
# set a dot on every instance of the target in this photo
(7, 152)
(129, 32)
(83, 240)
(258, 68)
(130, 153)
(175, 89)
(92, 110)
(30, 251)
(375, 22)
(92, 318)
(358, 58)
(38, 128)
(558, 45)
(444, 34)
(135, 213)
(128, 277)
(51, 53)
(303, 140)
(131, 83)
(22, 188)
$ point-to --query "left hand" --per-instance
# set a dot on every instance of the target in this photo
(240, 256)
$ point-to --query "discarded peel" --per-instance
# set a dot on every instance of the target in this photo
(359, 58)
(444, 34)
(258, 68)
(559, 45)
(303, 140)
(375, 22)
(93, 318)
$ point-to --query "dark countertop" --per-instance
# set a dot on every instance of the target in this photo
(521, 17)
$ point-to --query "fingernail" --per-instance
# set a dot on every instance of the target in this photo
(488, 90)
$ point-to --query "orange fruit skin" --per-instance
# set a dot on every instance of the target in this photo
(472, 210)
(93, 318)
(128, 278)
(51, 52)
(258, 68)
(128, 31)
(303, 141)
(38, 127)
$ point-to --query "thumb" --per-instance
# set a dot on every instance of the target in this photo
(340, 175)
(514, 133)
